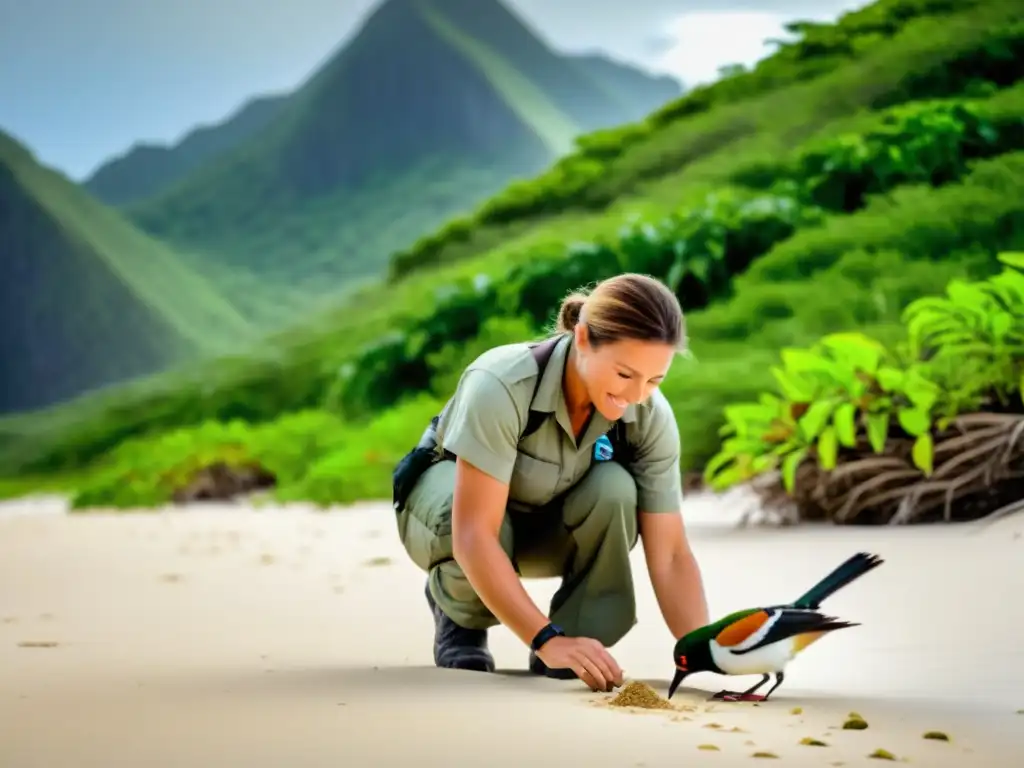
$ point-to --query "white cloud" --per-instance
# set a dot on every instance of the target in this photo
(705, 41)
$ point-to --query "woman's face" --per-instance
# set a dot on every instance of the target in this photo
(621, 373)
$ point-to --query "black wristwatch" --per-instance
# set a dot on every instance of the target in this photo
(545, 634)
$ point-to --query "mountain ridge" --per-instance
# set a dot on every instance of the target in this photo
(445, 117)
(86, 299)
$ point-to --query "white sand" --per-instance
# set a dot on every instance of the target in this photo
(226, 637)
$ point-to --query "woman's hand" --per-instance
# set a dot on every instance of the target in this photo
(588, 658)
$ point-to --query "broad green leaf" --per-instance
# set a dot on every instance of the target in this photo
(844, 421)
(789, 467)
(1002, 322)
(813, 422)
(914, 420)
(716, 462)
(793, 388)
(1014, 259)
(923, 453)
(805, 361)
(891, 379)
(728, 478)
(828, 449)
(967, 296)
(858, 350)
(878, 430)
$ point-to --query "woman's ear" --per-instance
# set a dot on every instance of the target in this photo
(580, 337)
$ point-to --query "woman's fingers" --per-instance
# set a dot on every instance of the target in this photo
(593, 677)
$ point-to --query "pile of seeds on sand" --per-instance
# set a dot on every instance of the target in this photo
(637, 694)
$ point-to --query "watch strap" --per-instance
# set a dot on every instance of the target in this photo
(546, 633)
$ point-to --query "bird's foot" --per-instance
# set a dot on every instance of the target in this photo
(735, 696)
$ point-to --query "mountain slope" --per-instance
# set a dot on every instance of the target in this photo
(638, 91)
(145, 169)
(85, 298)
(433, 106)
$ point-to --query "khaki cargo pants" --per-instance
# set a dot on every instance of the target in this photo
(585, 537)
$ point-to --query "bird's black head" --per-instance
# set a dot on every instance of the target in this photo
(692, 653)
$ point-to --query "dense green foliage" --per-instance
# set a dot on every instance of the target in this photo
(874, 183)
(852, 395)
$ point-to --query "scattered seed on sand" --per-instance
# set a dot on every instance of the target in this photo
(936, 735)
(712, 725)
(638, 694)
(374, 562)
(807, 741)
(765, 754)
(796, 711)
(38, 644)
(266, 559)
(709, 748)
(855, 724)
(171, 578)
(882, 754)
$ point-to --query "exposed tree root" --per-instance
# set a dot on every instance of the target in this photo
(978, 470)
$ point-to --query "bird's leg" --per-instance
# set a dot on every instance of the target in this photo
(747, 695)
(779, 677)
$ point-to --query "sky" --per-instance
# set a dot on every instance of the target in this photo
(83, 80)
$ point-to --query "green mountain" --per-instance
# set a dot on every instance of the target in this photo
(147, 168)
(860, 167)
(432, 107)
(86, 299)
(637, 90)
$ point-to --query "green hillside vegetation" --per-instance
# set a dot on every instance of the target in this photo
(85, 298)
(434, 106)
(822, 194)
(883, 54)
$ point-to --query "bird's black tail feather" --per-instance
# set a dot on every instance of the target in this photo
(852, 569)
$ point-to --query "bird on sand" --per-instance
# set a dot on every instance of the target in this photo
(762, 641)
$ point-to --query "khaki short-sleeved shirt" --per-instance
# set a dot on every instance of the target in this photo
(489, 411)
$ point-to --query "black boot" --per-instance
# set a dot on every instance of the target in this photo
(538, 667)
(456, 647)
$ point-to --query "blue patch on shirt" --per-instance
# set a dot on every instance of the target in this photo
(603, 450)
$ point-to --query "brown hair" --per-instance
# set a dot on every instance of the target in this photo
(627, 306)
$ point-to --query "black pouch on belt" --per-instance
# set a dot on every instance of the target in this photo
(415, 463)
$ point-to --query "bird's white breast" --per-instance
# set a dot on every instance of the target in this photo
(770, 658)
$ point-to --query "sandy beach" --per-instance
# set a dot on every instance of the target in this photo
(232, 636)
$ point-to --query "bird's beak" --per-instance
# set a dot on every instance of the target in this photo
(680, 675)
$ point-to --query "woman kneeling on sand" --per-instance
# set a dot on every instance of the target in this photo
(550, 460)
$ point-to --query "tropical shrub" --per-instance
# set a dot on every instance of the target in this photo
(923, 142)
(859, 430)
(146, 472)
(696, 251)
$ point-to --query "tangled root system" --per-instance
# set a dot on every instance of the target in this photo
(978, 470)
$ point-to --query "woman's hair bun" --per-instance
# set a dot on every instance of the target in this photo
(569, 314)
